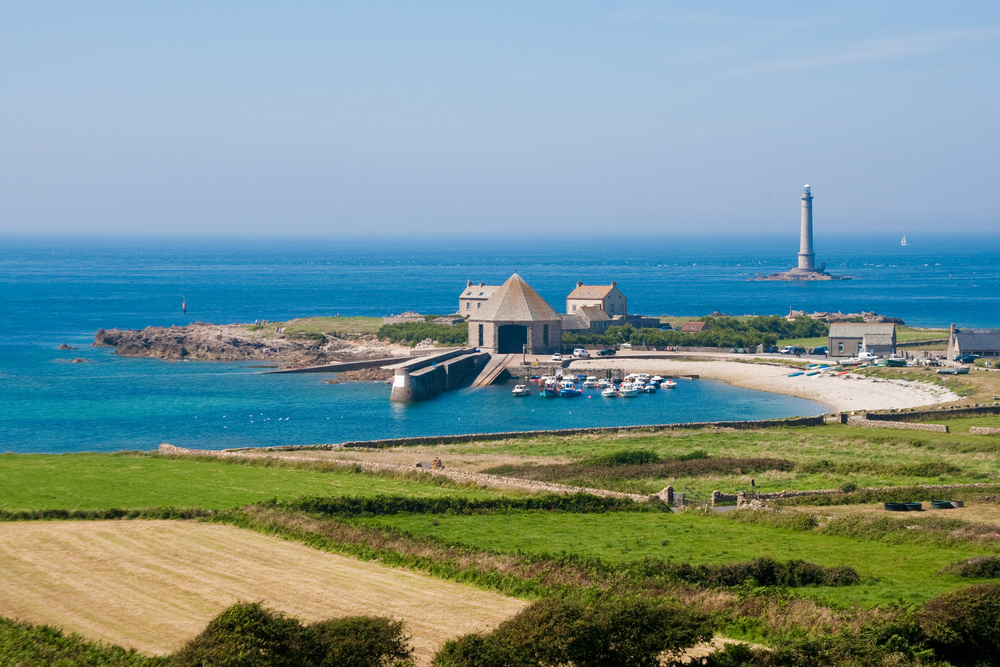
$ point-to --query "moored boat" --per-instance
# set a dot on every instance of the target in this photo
(669, 384)
(568, 390)
(628, 390)
(591, 383)
(548, 390)
(609, 392)
(521, 390)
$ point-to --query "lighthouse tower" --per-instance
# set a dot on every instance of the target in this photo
(807, 258)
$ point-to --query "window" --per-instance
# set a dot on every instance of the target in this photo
(545, 334)
(468, 305)
(859, 346)
(574, 307)
(478, 306)
(480, 335)
(840, 346)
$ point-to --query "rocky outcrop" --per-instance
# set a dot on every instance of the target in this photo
(867, 318)
(235, 342)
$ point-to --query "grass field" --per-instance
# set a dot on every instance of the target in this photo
(890, 572)
(96, 481)
(152, 585)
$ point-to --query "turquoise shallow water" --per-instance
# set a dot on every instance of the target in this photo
(55, 292)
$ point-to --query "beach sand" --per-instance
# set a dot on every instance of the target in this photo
(840, 393)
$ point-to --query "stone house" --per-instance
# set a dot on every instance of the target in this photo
(587, 320)
(984, 342)
(474, 296)
(608, 298)
(847, 339)
(515, 318)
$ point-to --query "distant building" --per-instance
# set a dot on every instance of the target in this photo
(608, 298)
(516, 318)
(984, 342)
(587, 320)
(474, 296)
(692, 327)
(848, 338)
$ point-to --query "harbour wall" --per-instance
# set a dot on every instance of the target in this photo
(427, 382)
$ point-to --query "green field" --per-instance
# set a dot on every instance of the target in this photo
(99, 481)
(889, 573)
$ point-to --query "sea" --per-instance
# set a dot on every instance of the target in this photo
(56, 291)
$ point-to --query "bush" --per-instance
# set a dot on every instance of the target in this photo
(384, 505)
(27, 645)
(634, 457)
(764, 572)
(609, 632)
(249, 635)
(983, 567)
(412, 333)
(362, 641)
(964, 625)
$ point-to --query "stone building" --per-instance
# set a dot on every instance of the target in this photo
(606, 297)
(849, 338)
(474, 296)
(514, 317)
(587, 320)
(984, 342)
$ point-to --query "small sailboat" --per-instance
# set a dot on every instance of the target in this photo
(903, 242)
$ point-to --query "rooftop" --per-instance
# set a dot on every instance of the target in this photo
(515, 301)
(859, 329)
(591, 291)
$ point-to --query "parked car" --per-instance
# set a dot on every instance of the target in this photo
(821, 349)
(792, 349)
(556, 357)
(626, 346)
(581, 353)
(606, 352)
(966, 358)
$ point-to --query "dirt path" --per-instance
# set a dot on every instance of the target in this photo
(153, 585)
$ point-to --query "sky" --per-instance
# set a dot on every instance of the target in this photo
(522, 119)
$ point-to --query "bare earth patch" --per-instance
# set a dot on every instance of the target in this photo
(153, 585)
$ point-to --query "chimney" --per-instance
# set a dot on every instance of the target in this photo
(579, 283)
(468, 283)
(952, 329)
(482, 284)
(614, 284)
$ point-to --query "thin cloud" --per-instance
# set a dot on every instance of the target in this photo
(881, 49)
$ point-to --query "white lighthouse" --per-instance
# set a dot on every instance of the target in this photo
(807, 258)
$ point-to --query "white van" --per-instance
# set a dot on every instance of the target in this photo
(581, 353)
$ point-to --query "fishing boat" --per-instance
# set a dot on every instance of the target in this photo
(591, 383)
(657, 380)
(669, 384)
(628, 390)
(548, 390)
(568, 390)
(604, 383)
(521, 390)
(609, 392)
(649, 388)
(903, 242)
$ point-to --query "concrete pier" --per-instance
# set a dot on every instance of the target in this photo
(423, 379)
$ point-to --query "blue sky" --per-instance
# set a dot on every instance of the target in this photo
(487, 118)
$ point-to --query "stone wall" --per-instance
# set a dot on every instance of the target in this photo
(946, 413)
(719, 497)
(983, 430)
(906, 426)
(818, 420)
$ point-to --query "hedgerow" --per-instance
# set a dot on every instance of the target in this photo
(28, 645)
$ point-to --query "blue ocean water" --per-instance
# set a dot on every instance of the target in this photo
(61, 291)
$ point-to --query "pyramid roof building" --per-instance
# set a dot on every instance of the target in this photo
(515, 301)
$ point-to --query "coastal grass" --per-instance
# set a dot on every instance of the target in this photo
(322, 325)
(906, 573)
(139, 480)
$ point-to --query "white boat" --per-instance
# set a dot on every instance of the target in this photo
(609, 392)
(649, 388)
(903, 242)
(669, 384)
(521, 390)
(591, 383)
(657, 380)
(604, 383)
(628, 390)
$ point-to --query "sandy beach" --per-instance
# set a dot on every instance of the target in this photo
(840, 393)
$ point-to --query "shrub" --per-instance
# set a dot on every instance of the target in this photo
(362, 641)
(28, 645)
(610, 632)
(249, 635)
(383, 505)
(983, 567)
(764, 572)
(964, 625)
(633, 457)
(412, 333)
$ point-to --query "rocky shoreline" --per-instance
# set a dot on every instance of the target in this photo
(239, 342)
